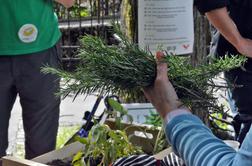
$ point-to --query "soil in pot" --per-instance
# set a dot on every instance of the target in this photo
(60, 163)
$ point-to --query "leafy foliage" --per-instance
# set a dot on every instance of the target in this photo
(118, 113)
(126, 69)
(104, 146)
(154, 119)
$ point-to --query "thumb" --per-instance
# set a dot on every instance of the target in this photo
(161, 65)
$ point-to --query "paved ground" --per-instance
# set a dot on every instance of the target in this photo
(71, 114)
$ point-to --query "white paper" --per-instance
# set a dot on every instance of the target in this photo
(167, 25)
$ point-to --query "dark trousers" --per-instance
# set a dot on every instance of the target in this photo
(21, 75)
(240, 81)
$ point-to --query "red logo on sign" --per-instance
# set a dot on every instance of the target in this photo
(186, 46)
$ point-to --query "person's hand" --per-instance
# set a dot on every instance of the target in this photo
(162, 94)
(245, 47)
(66, 3)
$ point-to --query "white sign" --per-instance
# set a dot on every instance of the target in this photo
(166, 24)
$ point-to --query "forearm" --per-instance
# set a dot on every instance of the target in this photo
(196, 144)
(66, 3)
(221, 20)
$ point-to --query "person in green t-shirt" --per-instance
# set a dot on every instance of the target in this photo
(28, 41)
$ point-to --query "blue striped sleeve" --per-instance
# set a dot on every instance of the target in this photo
(197, 146)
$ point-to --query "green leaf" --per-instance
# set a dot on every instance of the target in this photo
(77, 159)
(117, 106)
(81, 140)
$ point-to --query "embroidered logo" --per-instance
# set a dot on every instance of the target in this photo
(28, 33)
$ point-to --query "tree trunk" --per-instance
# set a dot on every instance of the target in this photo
(129, 19)
(202, 39)
(201, 50)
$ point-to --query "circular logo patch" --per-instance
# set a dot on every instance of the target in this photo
(28, 33)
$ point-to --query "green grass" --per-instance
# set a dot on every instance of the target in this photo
(65, 133)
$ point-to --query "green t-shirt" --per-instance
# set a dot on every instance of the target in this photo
(27, 26)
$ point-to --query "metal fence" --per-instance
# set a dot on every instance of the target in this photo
(85, 17)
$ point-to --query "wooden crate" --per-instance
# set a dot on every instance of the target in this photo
(137, 138)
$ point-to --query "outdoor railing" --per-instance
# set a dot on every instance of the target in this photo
(91, 17)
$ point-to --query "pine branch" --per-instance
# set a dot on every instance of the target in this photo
(126, 69)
